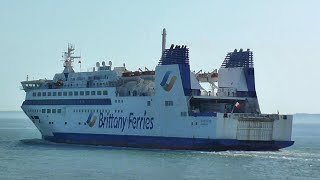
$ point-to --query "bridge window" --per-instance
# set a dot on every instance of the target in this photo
(65, 93)
(49, 93)
(34, 94)
(59, 93)
(76, 93)
(39, 93)
(183, 114)
(54, 94)
(148, 103)
(105, 92)
(93, 93)
(59, 110)
(81, 93)
(44, 94)
(99, 93)
(87, 93)
(48, 110)
(168, 103)
(43, 111)
(70, 93)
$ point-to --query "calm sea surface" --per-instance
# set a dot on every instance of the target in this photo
(23, 155)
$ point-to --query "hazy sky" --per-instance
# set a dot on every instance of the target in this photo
(284, 36)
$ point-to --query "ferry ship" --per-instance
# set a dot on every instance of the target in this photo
(165, 108)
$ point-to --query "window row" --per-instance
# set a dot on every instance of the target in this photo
(70, 93)
(183, 114)
(118, 101)
(96, 110)
(45, 110)
(168, 103)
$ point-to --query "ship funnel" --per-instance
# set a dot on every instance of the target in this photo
(237, 74)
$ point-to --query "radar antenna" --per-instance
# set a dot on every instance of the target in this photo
(69, 59)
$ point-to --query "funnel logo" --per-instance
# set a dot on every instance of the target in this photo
(91, 121)
(164, 84)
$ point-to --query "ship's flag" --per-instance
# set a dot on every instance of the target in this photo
(237, 105)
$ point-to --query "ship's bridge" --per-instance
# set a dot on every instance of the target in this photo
(34, 84)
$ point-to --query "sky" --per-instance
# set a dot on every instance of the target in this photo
(283, 35)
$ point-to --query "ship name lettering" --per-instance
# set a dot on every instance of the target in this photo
(132, 122)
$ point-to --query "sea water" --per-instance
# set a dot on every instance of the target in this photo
(24, 155)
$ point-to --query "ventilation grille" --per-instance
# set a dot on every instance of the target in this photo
(175, 55)
(238, 59)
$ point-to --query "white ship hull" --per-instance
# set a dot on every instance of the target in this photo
(151, 128)
(163, 109)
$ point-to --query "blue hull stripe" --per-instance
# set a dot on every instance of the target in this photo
(156, 142)
(68, 102)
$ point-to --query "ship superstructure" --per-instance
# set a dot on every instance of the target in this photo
(165, 108)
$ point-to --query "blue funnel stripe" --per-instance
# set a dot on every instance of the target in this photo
(185, 78)
(249, 74)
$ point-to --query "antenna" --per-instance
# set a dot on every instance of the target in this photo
(69, 59)
(80, 61)
(164, 39)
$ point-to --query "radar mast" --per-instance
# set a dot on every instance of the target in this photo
(69, 59)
